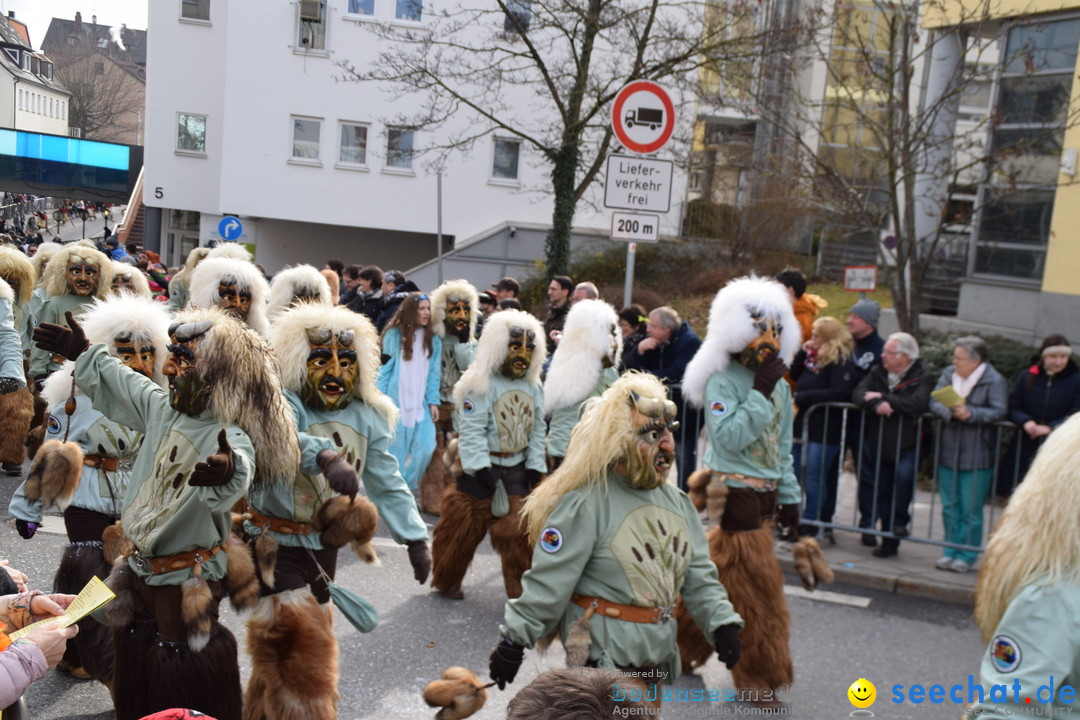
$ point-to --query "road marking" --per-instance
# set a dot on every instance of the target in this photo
(826, 596)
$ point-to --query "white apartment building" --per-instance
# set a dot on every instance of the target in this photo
(30, 99)
(247, 116)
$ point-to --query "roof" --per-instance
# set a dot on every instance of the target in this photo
(13, 42)
(64, 34)
(13, 32)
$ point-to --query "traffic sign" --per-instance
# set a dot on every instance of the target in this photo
(643, 117)
(860, 278)
(635, 226)
(633, 183)
(230, 228)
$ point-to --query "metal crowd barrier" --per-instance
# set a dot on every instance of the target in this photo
(925, 524)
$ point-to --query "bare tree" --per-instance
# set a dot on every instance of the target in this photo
(106, 96)
(544, 72)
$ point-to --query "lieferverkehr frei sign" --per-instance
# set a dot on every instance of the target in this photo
(633, 183)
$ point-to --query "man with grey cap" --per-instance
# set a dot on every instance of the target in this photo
(862, 321)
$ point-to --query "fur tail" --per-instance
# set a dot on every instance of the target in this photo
(240, 581)
(340, 520)
(195, 605)
(16, 411)
(55, 473)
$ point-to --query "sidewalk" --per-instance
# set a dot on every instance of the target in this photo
(912, 571)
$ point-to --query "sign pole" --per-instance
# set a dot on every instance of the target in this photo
(628, 285)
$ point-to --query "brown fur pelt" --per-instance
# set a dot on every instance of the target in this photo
(266, 550)
(241, 584)
(707, 494)
(115, 544)
(55, 473)
(151, 676)
(810, 563)
(91, 649)
(366, 552)
(340, 520)
(294, 660)
(749, 570)
(196, 602)
(508, 537)
(121, 612)
(461, 527)
(440, 471)
(16, 411)
(459, 693)
(35, 436)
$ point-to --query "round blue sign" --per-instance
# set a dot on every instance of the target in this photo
(230, 228)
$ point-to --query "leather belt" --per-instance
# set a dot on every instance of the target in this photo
(503, 455)
(286, 527)
(179, 561)
(629, 613)
(756, 483)
(101, 462)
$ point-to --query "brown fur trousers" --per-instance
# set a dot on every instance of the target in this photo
(462, 526)
(294, 659)
(749, 570)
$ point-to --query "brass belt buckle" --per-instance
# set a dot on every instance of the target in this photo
(665, 614)
(142, 563)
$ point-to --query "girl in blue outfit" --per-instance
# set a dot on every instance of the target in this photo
(410, 376)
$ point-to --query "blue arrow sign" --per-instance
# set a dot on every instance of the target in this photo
(230, 228)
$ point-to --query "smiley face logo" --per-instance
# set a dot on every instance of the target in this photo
(862, 693)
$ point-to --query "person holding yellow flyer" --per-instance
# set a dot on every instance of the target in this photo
(28, 658)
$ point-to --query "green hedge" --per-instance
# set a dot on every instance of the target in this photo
(1009, 357)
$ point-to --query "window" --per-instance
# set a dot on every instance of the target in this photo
(191, 133)
(20, 100)
(195, 9)
(399, 148)
(362, 7)
(353, 144)
(1013, 227)
(305, 143)
(517, 17)
(408, 10)
(99, 68)
(51, 107)
(506, 159)
(25, 64)
(312, 34)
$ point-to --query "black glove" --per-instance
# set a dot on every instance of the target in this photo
(26, 529)
(340, 475)
(68, 342)
(420, 558)
(8, 385)
(788, 517)
(463, 333)
(728, 645)
(218, 468)
(532, 478)
(768, 373)
(505, 660)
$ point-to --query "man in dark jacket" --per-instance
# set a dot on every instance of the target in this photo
(369, 298)
(395, 288)
(894, 395)
(671, 344)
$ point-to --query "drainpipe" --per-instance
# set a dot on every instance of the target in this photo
(14, 103)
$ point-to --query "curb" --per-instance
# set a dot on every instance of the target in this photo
(891, 582)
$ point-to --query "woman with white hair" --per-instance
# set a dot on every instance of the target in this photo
(966, 456)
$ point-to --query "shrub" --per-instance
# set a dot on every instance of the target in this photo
(1009, 357)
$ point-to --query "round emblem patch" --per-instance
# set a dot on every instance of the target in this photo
(551, 539)
(467, 407)
(717, 408)
(53, 426)
(1005, 654)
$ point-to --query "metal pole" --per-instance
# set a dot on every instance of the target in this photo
(438, 211)
(631, 248)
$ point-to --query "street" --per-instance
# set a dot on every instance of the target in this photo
(886, 638)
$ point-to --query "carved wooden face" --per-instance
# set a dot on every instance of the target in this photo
(124, 281)
(233, 300)
(765, 345)
(519, 351)
(82, 277)
(136, 353)
(332, 370)
(651, 452)
(457, 314)
(187, 392)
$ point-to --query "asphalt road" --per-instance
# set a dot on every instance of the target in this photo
(836, 639)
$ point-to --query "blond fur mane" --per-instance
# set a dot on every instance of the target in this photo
(55, 278)
(139, 286)
(588, 337)
(16, 266)
(596, 443)
(731, 328)
(288, 337)
(459, 288)
(1037, 540)
(491, 351)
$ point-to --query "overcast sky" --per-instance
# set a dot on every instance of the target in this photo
(38, 13)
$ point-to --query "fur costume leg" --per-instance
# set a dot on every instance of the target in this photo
(461, 527)
(749, 570)
(508, 537)
(294, 660)
(440, 472)
(92, 648)
(16, 410)
(153, 674)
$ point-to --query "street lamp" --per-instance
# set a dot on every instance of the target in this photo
(105, 214)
